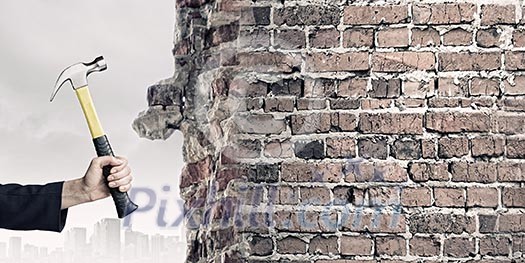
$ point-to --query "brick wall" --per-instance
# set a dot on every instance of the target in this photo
(348, 131)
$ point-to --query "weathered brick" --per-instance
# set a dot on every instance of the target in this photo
(319, 87)
(441, 223)
(310, 123)
(254, 38)
(456, 122)
(279, 104)
(305, 221)
(392, 37)
(418, 89)
(350, 61)
(518, 38)
(291, 245)
(352, 87)
(320, 245)
(383, 222)
(278, 149)
(438, 102)
(466, 61)
(344, 104)
(315, 195)
(515, 60)
(358, 37)
(482, 197)
(356, 245)
(284, 195)
(311, 172)
(481, 86)
(498, 14)
(406, 149)
(416, 197)
(513, 197)
(374, 104)
(449, 197)
(311, 103)
(444, 13)
(382, 88)
(512, 223)
(309, 149)
(487, 223)
(259, 124)
(343, 147)
(428, 148)
(391, 245)
(449, 87)
(391, 123)
(344, 195)
(286, 87)
(240, 87)
(516, 86)
(289, 39)
(449, 147)
(306, 15)
(422, 171)
(344, 121)
(457, 37)
(324, 38)
(402, 61)
(509, 171)
(222, 34)
(489, 37)
(515, 147)
(192, 173)
(459, 247)
(483, 172)
(243, 149)
(514, 104)
(356, 170)
(494, 246)
(372, 147)
(261, 246)
(425, 37)
(424, 246)
(487, 146)
(518, 243)
(509, 123)
(374, 15)
(269, 62)
(256, 15)
(384, 196)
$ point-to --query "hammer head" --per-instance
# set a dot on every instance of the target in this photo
(77, 74)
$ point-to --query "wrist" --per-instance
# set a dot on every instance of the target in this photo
(75, 192)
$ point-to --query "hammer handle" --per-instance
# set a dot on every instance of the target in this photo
(123, 204)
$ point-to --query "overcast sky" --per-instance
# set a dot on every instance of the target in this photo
(43, 142)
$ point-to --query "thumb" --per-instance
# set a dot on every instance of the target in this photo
(107, 160)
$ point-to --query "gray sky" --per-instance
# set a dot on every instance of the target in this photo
(42, 141)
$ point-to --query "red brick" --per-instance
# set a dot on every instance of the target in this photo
(515, 60)
(449, 87)
(515, 147)
(358, 37)
(305, 221)
(343, 147)
(290, 39)
(278, 149)
(391, 123)
(459, 247)
(306, 15)
(481, 86)
(469, 61)
(382, 171)
(516, 87)
(512, 223)
(449, 147)
(376, 223)
(311, 103)
(269, 62)
(356, 245)
(319, 87)
(372, 147)
(391, 246)
(418, 89)
(374, 15)
(261, 246)
(384, 196)
(324, 38)
(435, 222)
(392, 37)
(457, 37)
(374, 104)
(291, 245)
(382, 88)
(444, 13)
(494, 246)
(416, 197)
(487, 146)
(489, 37)
(351, 61)
(482, 172)
(344, 121)
(308, 172)
(449, 197)
(513, 197)
(402, 61)
(254, 38)
(509, 123)
(482, 197)
(315, 196)
(279, 104)
(422, 172)
(344, 195)
(352, 87)
(518, 38)
(424, 246)
(310, 123)
(284, 195)
(456, 122)
(323, 245)
(425, 37)
(509, 171)
(498, 14)
(255, 15)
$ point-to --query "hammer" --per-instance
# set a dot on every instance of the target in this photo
(77, 74)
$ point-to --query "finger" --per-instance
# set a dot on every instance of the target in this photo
(124, 188)
(106, 160)
(120, 174)
(121, 166)
(121, 182)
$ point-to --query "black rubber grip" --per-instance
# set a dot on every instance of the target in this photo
(123, 204)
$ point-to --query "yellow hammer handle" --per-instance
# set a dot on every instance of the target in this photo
(89, 112)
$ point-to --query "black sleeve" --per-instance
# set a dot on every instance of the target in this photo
(32, 207)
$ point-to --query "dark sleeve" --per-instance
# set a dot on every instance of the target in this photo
(32, 207)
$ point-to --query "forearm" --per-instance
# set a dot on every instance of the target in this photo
(74, 192)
